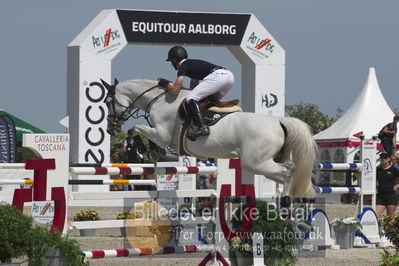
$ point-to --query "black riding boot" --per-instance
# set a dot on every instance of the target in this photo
(201, 129)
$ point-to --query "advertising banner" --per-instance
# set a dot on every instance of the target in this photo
(11, 138)
(106, 39)
(51, 146)
(183, 27)
(260, 45)
(4, 141)
(43, 211)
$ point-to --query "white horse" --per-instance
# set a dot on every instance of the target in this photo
(279, 148)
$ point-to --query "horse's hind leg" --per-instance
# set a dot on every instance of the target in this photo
(278, 172)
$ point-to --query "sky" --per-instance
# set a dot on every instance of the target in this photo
(329, 45)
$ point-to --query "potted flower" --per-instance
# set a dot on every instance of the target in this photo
(277, 237)
(345, 229)
(241, 250)
(87, 215)
(14, 227)
(206, 211)
(124, 216)
(204, 208)
(174, 234)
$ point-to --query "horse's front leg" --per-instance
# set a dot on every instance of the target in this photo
(152, 134)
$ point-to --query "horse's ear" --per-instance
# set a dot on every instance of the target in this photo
(116, 82)
(106, 85)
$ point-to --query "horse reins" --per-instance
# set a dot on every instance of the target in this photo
(128, 108)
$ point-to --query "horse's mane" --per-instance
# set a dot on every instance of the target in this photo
(140, 81)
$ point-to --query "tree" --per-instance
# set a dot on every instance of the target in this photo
(117, 142)
(310, 114)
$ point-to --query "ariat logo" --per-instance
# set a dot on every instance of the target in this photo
(105, 40)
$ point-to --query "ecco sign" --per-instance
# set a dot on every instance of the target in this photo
(94, 115)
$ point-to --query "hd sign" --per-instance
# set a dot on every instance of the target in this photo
(90, 55)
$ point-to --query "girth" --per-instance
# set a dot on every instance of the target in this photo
(212, 111)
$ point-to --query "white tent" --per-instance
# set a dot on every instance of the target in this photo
(368, 114)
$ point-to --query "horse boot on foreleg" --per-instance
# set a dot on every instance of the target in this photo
(201, 129)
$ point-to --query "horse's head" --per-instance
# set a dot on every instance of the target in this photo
(123, 98)
(117, 108)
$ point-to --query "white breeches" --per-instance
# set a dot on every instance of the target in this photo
(218, 84)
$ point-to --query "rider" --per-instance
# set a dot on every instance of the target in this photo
(207, 79)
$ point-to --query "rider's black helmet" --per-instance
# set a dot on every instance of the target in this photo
(177, 52)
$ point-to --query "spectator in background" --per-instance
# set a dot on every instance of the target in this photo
(387, 176)
(395, 160)
(133, 148)
(115, 158)
(388, 138)
(203, 178)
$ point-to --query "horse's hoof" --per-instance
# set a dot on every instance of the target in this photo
(285, 201)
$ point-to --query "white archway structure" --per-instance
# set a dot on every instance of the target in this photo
(90, 56)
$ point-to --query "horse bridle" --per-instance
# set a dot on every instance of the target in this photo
(114, 119)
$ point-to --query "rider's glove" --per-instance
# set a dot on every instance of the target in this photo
(163, 82)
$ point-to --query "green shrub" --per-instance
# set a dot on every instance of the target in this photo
(390, 224)
(14, 226)
(40, 240)
(19, 238)
(389, 259)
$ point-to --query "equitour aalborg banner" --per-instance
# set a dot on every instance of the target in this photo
(7, 140)
(181, 27)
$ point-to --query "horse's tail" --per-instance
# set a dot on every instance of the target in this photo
(300, 147)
